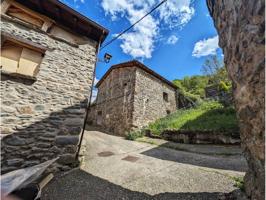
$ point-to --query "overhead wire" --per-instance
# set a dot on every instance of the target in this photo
(123, 32)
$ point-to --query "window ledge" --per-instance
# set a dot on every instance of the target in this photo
(14, 74)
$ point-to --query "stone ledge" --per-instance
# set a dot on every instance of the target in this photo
(197, 137)
(12, 74)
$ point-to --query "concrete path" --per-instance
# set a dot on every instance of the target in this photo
(114, 168)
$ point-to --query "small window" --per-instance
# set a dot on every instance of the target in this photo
(168, 112)
(18, 11)
(25, 16)
(165, 96)
(19, 59)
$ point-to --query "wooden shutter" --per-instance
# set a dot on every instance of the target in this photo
(29, 62)
(10, 56)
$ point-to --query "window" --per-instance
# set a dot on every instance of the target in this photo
(15, 10)
(16, 58)
(18, 13)
(168, 112)
(165, 96)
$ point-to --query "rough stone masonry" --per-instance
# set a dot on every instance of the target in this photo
(43, 118)
(241, 28)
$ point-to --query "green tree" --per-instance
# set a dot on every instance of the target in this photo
(215, 70)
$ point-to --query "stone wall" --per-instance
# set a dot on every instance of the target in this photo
(43, 118)
(241, 28)
(149, 103)
(114, 103)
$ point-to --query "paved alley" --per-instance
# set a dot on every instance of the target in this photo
(115, 168)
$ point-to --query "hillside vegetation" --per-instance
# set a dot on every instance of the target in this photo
(207, 116)
(199, 113)
(214, 74)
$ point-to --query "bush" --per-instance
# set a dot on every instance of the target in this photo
(223, 87)
(133, 135)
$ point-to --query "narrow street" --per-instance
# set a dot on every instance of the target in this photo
(115, 168)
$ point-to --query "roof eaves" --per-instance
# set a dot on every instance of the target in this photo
(138, 64)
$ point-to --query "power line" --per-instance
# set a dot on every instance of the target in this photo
(120, 34)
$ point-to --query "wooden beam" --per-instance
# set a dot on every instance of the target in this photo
(75, 19)
(24, 42)
(89, 30)
(46, 25)
(4, 6)
(40, 5)
(58, 13)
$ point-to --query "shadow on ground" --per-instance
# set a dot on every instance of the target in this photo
(235, 163)
(80, 185)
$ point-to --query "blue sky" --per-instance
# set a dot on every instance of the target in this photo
(174, 41)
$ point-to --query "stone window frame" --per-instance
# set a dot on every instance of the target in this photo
(165, 96)
(25, 46)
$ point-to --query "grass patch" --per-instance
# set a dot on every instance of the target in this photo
(239, 183)
(146, 140)
(211, 116)
(133, 135)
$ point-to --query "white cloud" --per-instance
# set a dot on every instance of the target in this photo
(139, 42)
(206, 47)
(77, 2)
(177, 12)
(172, 39)
(94, 90)
(94, 94)
(96, 80)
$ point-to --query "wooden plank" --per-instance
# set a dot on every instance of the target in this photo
(29, 62)
(31, 12)
(10, 55)
(24, 16)
(61, 33)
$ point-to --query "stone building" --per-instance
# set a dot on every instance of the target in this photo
(48, 55)
(130, 96)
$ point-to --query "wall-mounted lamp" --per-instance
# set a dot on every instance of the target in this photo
(107, 57)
